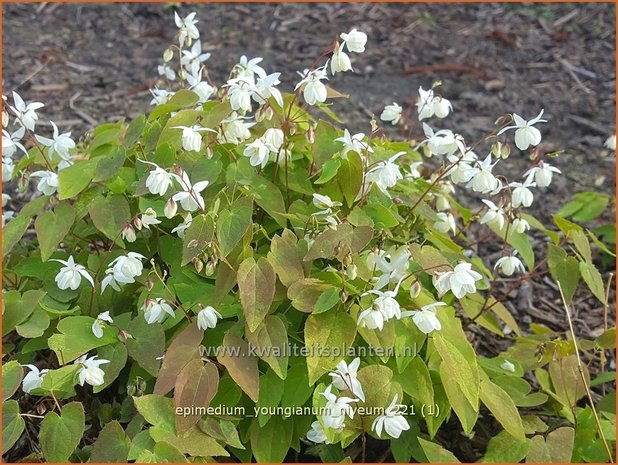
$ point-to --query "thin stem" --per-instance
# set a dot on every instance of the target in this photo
(581, 373)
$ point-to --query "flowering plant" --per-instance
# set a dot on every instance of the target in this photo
(296, 286)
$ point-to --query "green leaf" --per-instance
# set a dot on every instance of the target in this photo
(13, 231)
(256, 284)
(462, 372)
(74, 179)
(557, 448)
(593, 279)
(466, 412)
(327, 300)
(35, 325)
(146, 344)
(271, 391)
(76, 338)
(184, 98)
(582, 245)
(110, 215)
(60, 434)
(286, 258)
(241, 365)
(436, 453)
(350, 177)
(60, 382)
(12, 374)
(12, 424)
(323, 332)
(270, 340)
(503, 409)
(194, 442)
(503, 449)
(112, 445)
(183, 349)
(268, 196)
(297, 389)
(563, 269)
(232, 224)
(157, 410)
(18, 308)
(329, 171)
(346, 239)
(271, 442)
(134, 130)
(52, 227)
(196, 385)
(325, 145)
(197, 237)
(382, 217)
(305, 294)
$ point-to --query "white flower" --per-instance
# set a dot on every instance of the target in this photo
(257, 152)
(191, 137)
(392, 113)
(160, 96)
(337, 408)
(314, 91)
(393, 265)
(371, 319)
(7, 169)
(507, 366)
(526, 134)
(493, 215)
(462, 170)
(444, 141)
(194, 57)
(70, 275)
(188, 31)
(170, 209)
(6, 198)
(446, 223)
(509, 265)
(235, 129)
(127, 268)
(340, 61)
(426, 318)
(316, 433)
(429, 105)
(99, 324)
(542, 174)
(11, 142)
(355, 40)
(392, 422)
(265, 87)
(128, 233)
(345, 377)
(353, 143)
(89, 371)
(33, 379)
(240, 91)
(522, 195)
(414, 170)
(610, 143)
(325, 203)
(149, 218)
(207, 318)
(249, 68)
(167, 71)
(273, 139)
(386, 303)
(190, 199)
(6, 216)
(59, 144)
(460, 281)
(158, 180)
(483, 180)
(155, 310)
(48, 182)
(182, 227)
(386, 173)
(26, 114)
(520, 225)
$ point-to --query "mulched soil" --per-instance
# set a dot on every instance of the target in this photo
(92, 63)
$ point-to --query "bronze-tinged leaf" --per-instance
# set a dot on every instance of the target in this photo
(429, 258)
(198, 235)
(256, 282)
(242, 367)
(305, 293)
(346, 239)
(183, 349)
(195, 387)
(286, 258)
(270, 340)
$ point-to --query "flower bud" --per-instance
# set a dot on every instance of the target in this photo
(131, 389)
(178, 170)
(128, 233)
(500, 150)
(292, 129)
(171, 207)
(149, 284)
(311, 136)
(168, 55)
(138, 223)
(198, 264)
(352, 272)
(210, 268)
(209, 152)
(123, 335)
(415, 289)
(22, 184)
